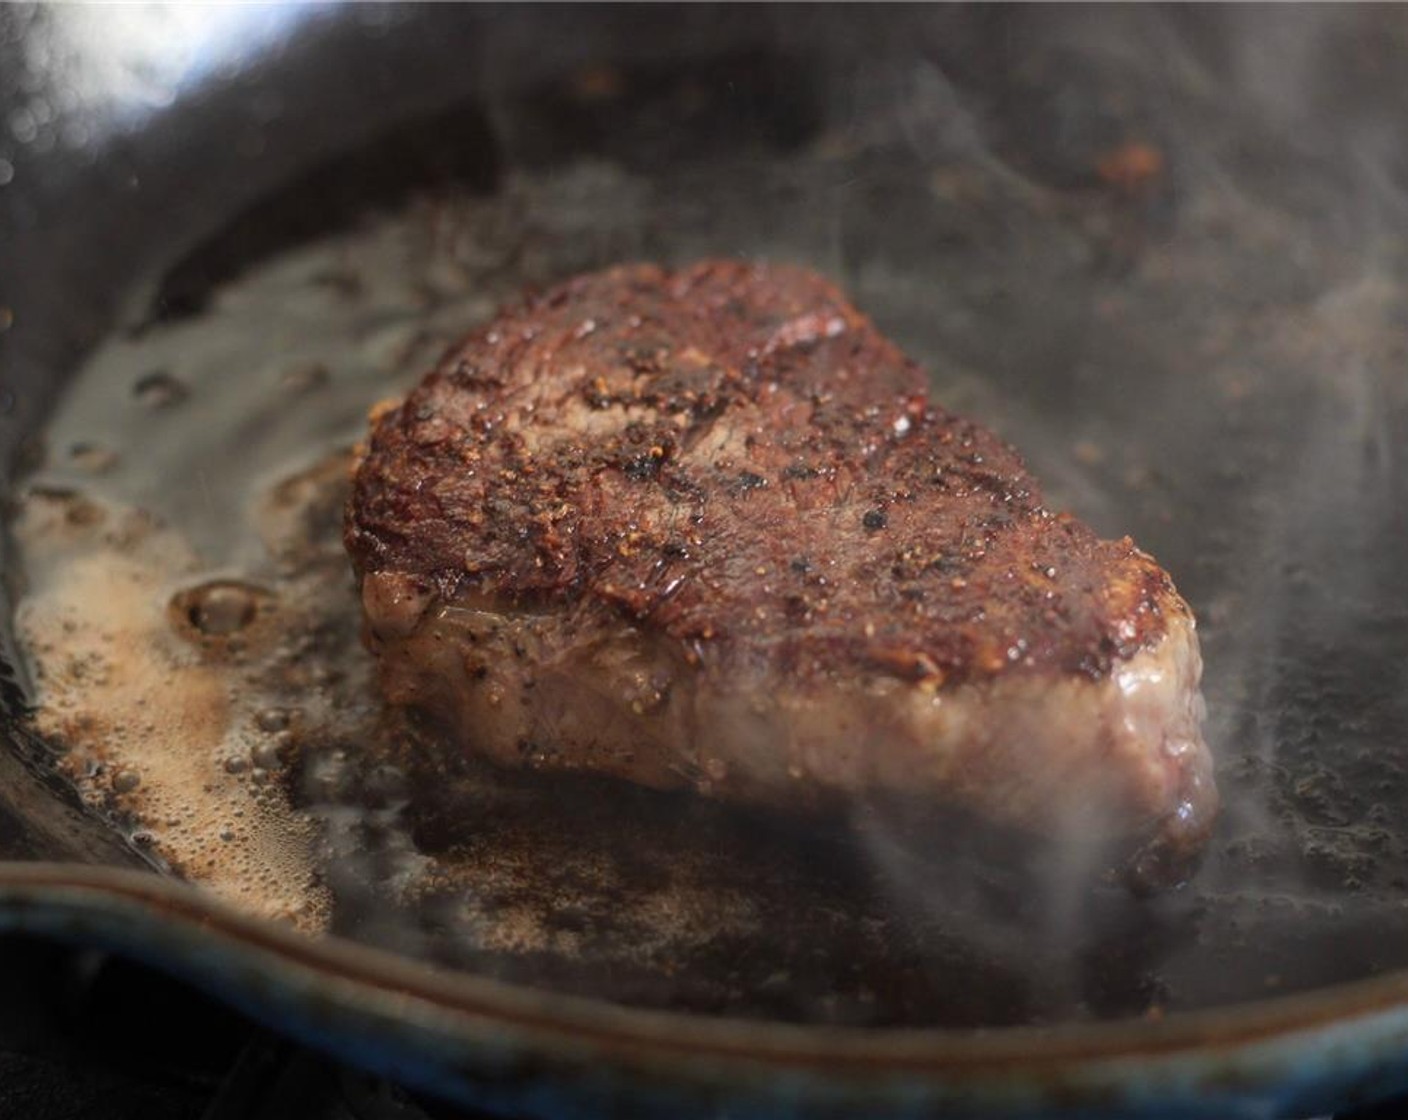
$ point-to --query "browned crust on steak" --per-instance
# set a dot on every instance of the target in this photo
(734, 458)
(705, 528)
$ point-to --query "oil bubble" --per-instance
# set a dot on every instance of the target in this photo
(92, 458)
(269, 755)
(158, 390)
(272, 719)
(304, 378)
(219, 608)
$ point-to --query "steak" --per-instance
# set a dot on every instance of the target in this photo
(705, 528)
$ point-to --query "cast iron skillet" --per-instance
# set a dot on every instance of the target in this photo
(135, 147)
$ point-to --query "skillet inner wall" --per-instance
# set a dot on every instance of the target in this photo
(1184, 314)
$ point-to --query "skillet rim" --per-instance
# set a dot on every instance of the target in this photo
(87, 890)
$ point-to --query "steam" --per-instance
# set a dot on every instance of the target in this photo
(1239, 377)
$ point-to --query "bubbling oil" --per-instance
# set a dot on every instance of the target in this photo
(148, 716)
(187, 610)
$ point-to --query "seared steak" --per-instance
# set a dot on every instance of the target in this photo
(706, 528)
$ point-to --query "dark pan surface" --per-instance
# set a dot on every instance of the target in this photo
(1172, 279)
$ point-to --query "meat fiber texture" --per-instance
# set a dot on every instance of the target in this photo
(705, 528)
